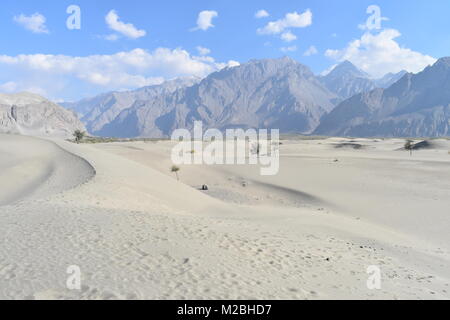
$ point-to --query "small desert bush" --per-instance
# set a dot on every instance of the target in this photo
(79, 135)
(175, 169)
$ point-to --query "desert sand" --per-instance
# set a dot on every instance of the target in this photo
(310, 232)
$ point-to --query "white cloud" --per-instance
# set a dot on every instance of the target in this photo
(163, 60)
(203, 51)
(127, 29)
(261, 14)
(63, 76)
(204, 20)
(34, 23)
(291, 20)
(289, 49)
(379, 53)
(312, 50)
(288, 36)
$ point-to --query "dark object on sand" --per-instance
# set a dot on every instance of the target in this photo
(355, 146)
(422, 145)
(205, 187)
(410, 145)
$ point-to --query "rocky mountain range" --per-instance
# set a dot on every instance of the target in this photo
(418, 105)
(30, 114)
(280, 93)
(269, 93)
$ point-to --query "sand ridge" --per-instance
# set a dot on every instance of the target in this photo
(32, 167)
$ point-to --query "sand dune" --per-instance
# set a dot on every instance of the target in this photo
(33, 168)
(308, 233)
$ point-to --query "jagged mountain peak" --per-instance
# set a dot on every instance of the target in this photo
(347, 80)
(346, 68)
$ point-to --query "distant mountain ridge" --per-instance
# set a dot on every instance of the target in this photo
(417, 105)
(98, 111)
(279, 93)
(269, 93)
(389, 79)
(346, 80)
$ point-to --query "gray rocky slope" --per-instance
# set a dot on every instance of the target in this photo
(100, 110)
(30, 114)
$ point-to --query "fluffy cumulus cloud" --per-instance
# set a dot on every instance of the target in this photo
(34, 23)
(127, 29)
(261, 14)
(290, 20)
(312, 50)
(379, 53)
(70, 77)
(204, 20)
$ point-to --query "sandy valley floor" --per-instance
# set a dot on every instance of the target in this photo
(310, 232)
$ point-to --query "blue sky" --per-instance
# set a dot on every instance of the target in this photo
(127, 44)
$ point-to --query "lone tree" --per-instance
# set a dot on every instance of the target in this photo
(409, 145)
(175, 170)
(79, 135)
